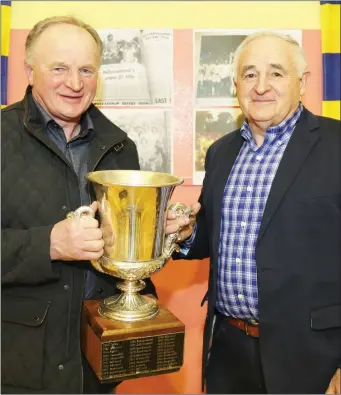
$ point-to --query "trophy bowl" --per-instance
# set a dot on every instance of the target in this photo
(133, 209)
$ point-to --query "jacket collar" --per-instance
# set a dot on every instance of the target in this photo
(108, 133)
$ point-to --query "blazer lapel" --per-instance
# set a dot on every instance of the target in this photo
(225, 159)
(303, 139)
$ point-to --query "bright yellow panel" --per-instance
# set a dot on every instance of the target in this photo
(5, 29)
(330, 27)
(331, 109)
(179, 14)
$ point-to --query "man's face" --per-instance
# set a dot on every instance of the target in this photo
(268, 84)
(63, 72)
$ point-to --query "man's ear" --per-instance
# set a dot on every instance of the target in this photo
(29, 73)
(303, 82)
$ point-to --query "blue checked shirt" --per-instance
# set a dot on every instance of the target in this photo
(244, 199)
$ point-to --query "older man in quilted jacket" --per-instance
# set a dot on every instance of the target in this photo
(49, 141)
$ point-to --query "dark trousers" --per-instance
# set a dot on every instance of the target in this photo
(91, 385)
(234, 365)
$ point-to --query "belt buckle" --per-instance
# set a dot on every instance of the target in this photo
(246, 328)
(247, 323)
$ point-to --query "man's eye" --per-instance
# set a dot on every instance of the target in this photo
(250, 75)
(58, 70)
(86, 71)
(275, 74)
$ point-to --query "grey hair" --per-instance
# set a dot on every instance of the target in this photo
(301, 62)
(41, 26)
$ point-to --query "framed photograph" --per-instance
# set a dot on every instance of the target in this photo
(151, 131)
(214, 52)
(137, 67)
(210, 125)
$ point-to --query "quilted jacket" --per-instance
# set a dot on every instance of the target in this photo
(42, 300)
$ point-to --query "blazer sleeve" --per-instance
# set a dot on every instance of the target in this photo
(200, 245)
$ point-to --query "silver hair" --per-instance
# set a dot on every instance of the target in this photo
(301, 62)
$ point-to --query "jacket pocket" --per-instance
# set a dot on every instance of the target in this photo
(23, 327)
(326, 317)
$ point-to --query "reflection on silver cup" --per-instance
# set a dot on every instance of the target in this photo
(133, 209)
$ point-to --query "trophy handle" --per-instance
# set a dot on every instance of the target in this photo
(171, 239)
(84, 211)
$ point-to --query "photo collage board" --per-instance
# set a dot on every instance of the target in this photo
(172, 92)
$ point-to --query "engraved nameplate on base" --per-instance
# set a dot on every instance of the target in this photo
(119, 350)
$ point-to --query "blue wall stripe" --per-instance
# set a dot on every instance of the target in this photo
(4, 64)
(331, 76)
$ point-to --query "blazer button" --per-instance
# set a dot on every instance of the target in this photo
(99, 290)
(66, 287)
(60, 367)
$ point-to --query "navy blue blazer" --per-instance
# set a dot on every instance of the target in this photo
(298, 255)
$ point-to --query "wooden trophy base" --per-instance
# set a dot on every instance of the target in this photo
(119, 350)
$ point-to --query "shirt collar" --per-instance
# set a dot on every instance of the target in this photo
(86, 123)
(282, 131)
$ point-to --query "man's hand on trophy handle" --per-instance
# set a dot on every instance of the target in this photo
(186, 231)
(78, 237)
(182, 224)
(84, 211)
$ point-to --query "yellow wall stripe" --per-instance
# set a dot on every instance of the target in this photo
(331, 109)
(5, 28)
(330, 22)
(177, 14)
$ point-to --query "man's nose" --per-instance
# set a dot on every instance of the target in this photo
(74, 81)
(262, 84)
